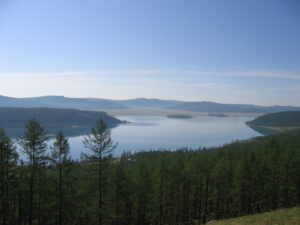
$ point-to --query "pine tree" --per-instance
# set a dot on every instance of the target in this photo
(61, 157)
(100, 144)
(33, 143)
(8, 163)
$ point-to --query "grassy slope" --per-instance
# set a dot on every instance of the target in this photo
(280, 217)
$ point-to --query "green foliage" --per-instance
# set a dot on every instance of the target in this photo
(61, 149)
(62, 161)
(99, 142)
(34, 146)
(8, 167)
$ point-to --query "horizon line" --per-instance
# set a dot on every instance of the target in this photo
(234, 73)
(148, 98)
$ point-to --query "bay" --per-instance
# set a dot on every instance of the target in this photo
(145, 133)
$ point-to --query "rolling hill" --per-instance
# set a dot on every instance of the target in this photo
(280, 119)
(53, 118)
(108, 104)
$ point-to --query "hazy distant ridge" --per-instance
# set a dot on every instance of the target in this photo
(107, 104)
(227, 108)
(60, 102)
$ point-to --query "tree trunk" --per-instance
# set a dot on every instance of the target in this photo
(3, 211)
(100, 189)
(206, 200)
(30, 195)
(161, 198)
(60, 192)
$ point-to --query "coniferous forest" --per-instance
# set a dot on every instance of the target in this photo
(42, 185)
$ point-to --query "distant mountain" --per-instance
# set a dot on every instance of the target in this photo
(279, 119)
(60, 102)
(269, 109)
(108, 104)
(229, 108)
(148, 103)
(53, 118)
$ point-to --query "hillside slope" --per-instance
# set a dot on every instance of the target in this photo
(282, 217)
(280, 119)
(52, 118)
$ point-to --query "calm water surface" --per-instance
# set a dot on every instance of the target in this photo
(158, 132)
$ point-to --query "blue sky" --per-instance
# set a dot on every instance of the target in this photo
(229, 51)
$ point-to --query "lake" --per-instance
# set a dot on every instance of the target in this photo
(159, 132)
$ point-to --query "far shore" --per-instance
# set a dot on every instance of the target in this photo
(275, 128)
(166, 112)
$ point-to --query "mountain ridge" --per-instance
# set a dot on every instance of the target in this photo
(52, 101)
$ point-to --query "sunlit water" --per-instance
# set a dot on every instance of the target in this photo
(158, 132)
(145, 133)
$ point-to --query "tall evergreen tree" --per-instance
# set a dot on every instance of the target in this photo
(61, 157)
(100, 144)
(33, 143)
(8, 163)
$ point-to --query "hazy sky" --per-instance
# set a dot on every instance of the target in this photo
(229, 51)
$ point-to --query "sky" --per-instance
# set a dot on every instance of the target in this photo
(227, 51)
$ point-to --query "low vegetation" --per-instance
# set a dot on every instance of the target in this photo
(280, 217)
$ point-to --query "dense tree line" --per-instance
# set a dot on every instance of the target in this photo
(161, 187)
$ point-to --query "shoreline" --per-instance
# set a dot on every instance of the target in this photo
(274, 128)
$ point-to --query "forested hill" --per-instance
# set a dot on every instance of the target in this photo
(280, 119)
(53, 118)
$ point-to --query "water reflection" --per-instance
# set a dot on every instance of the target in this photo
(158, 132)
(69, 132)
